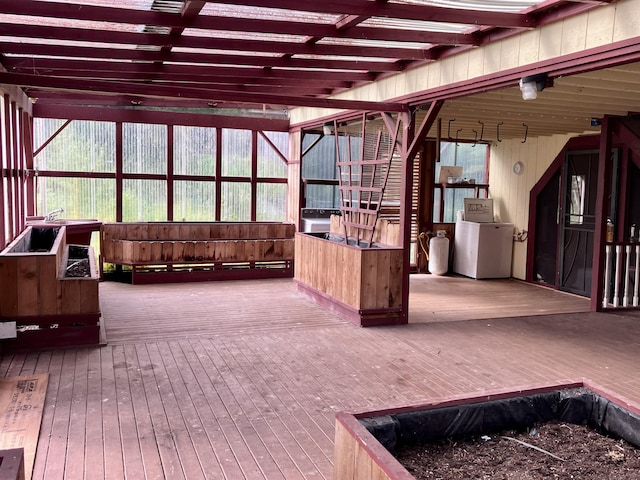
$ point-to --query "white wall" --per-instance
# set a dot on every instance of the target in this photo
(511, 192)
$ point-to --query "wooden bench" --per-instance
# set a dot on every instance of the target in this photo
(176, 251)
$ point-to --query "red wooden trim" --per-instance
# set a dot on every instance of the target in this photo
(407, 155)
(28, 139)
(156, 117)
(148, 90)
(425, 126)
(602, 198)
(20, 176)
(218, 191)
(4, 132)
(60, 319)
(11, 150)
(50, 139)
(274, 147)
(170, 177)
(119, 168)
(180, 276)
(379, 454)
(72, 174)
(362, 318)
(254, 176)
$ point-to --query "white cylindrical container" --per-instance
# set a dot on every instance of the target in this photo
(439, 253)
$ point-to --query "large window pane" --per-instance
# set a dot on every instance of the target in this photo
(82, 146)
(271, 202)
(144, 148)
(320, 161)
(473, 159)
(144, 201)
(194, 201)
(236, 153)
(270, 164)
(82, 198)
(236, 202)
(194, 150)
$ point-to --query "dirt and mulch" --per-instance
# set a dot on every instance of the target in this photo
(549, 451)
(78, 268)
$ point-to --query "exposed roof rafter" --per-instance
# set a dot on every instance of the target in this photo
(283, 53)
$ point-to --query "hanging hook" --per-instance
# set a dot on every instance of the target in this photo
(475, 139)
(481, 130)
(498, 131)
(526, 132)
(457, 132)
(449, 128)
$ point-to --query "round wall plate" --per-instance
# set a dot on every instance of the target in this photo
(518, 168)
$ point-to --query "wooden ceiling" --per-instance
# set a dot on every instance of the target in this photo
(270, 54)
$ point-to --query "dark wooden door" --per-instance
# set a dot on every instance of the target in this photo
(577, 227)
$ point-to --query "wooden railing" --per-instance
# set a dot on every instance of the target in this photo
(621, 276)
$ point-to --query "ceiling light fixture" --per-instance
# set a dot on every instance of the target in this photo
(532, 84)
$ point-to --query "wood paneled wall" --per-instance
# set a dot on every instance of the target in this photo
(511, 192)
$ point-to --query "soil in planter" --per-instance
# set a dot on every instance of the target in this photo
(78, 262)
(584, 453)
(78, 268)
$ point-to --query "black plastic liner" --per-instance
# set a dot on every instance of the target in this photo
(576, 405)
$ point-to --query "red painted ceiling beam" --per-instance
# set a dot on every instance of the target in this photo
(43, 65)
(167, 118)
(208, 22)
(213, 96)
(194, 58)
(300, 89)
(232, 44)
(309, 85)
(51, 97)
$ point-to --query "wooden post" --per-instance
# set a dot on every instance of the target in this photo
(603, 192)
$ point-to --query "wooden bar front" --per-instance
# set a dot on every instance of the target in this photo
(362, 285)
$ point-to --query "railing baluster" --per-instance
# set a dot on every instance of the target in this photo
(607, 276)
(616, 283)
(636, 283)
(627, 260)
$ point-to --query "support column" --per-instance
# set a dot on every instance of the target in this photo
(603, 193)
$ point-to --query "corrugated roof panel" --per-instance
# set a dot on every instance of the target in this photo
(400, 24)
(223, 34)
(260, 13)
(508, 6)
(211, 51)
(68, 23)
(135, 4)
(370, 43)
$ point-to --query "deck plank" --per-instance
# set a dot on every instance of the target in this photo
(242, 380)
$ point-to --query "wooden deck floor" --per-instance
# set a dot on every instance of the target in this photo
(242, 379)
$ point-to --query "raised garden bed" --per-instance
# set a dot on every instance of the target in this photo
(366, 443)
(49, 291)
(361, 284)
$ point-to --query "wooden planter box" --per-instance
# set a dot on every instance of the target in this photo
(362, 285)
(49, 308)
(177, 251)
(360, 454)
